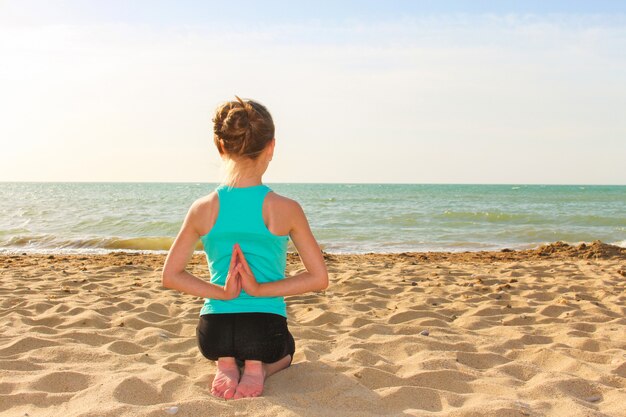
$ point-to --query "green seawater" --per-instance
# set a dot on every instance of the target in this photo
(345, 218)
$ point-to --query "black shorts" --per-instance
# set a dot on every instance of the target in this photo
(245, 336)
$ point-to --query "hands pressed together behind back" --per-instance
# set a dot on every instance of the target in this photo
(239, 276)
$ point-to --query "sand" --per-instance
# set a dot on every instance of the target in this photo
(532, 333)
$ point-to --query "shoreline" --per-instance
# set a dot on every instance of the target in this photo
(558, 249)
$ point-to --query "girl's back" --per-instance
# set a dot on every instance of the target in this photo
(242, 215)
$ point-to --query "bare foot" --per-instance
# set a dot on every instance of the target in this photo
(251, 383)
(254, 374)
(226, 379)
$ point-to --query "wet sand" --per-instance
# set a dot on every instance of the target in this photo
(512, 333)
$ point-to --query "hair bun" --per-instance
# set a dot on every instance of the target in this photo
(245, 127)
(237, 120)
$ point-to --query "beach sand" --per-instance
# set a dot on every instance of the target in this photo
(513, 333)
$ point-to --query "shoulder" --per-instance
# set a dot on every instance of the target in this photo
(282, 203)
(288, 208)
(203, 211)
(205, 203)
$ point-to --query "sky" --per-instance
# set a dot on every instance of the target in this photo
(482, 92)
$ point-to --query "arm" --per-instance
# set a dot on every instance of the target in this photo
(315, 278)
(175, 276)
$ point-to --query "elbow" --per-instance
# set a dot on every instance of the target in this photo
(323, 282)
(166, 278)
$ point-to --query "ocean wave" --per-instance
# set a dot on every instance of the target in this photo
(335, 248)
(491, 217)
(49, 242)
(13, 231)
(590, 220)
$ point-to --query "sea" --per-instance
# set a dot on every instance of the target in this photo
(80, 217)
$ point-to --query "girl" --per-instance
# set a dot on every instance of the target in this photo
(244, 227)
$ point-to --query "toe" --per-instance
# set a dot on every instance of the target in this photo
(229, 393)
(218, 391)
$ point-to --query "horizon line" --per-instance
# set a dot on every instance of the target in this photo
(316, 183)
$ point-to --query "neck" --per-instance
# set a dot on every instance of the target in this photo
(244, 172)
(248, 181)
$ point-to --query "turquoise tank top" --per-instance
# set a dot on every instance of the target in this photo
(240, 220)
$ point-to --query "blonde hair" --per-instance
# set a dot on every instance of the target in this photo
(230, 172)
(242, 129)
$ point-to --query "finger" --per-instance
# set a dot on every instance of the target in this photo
(232, 270)
(233, 259)
(243, 273)
(236, 283)
(236, 254)
(243, 260)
